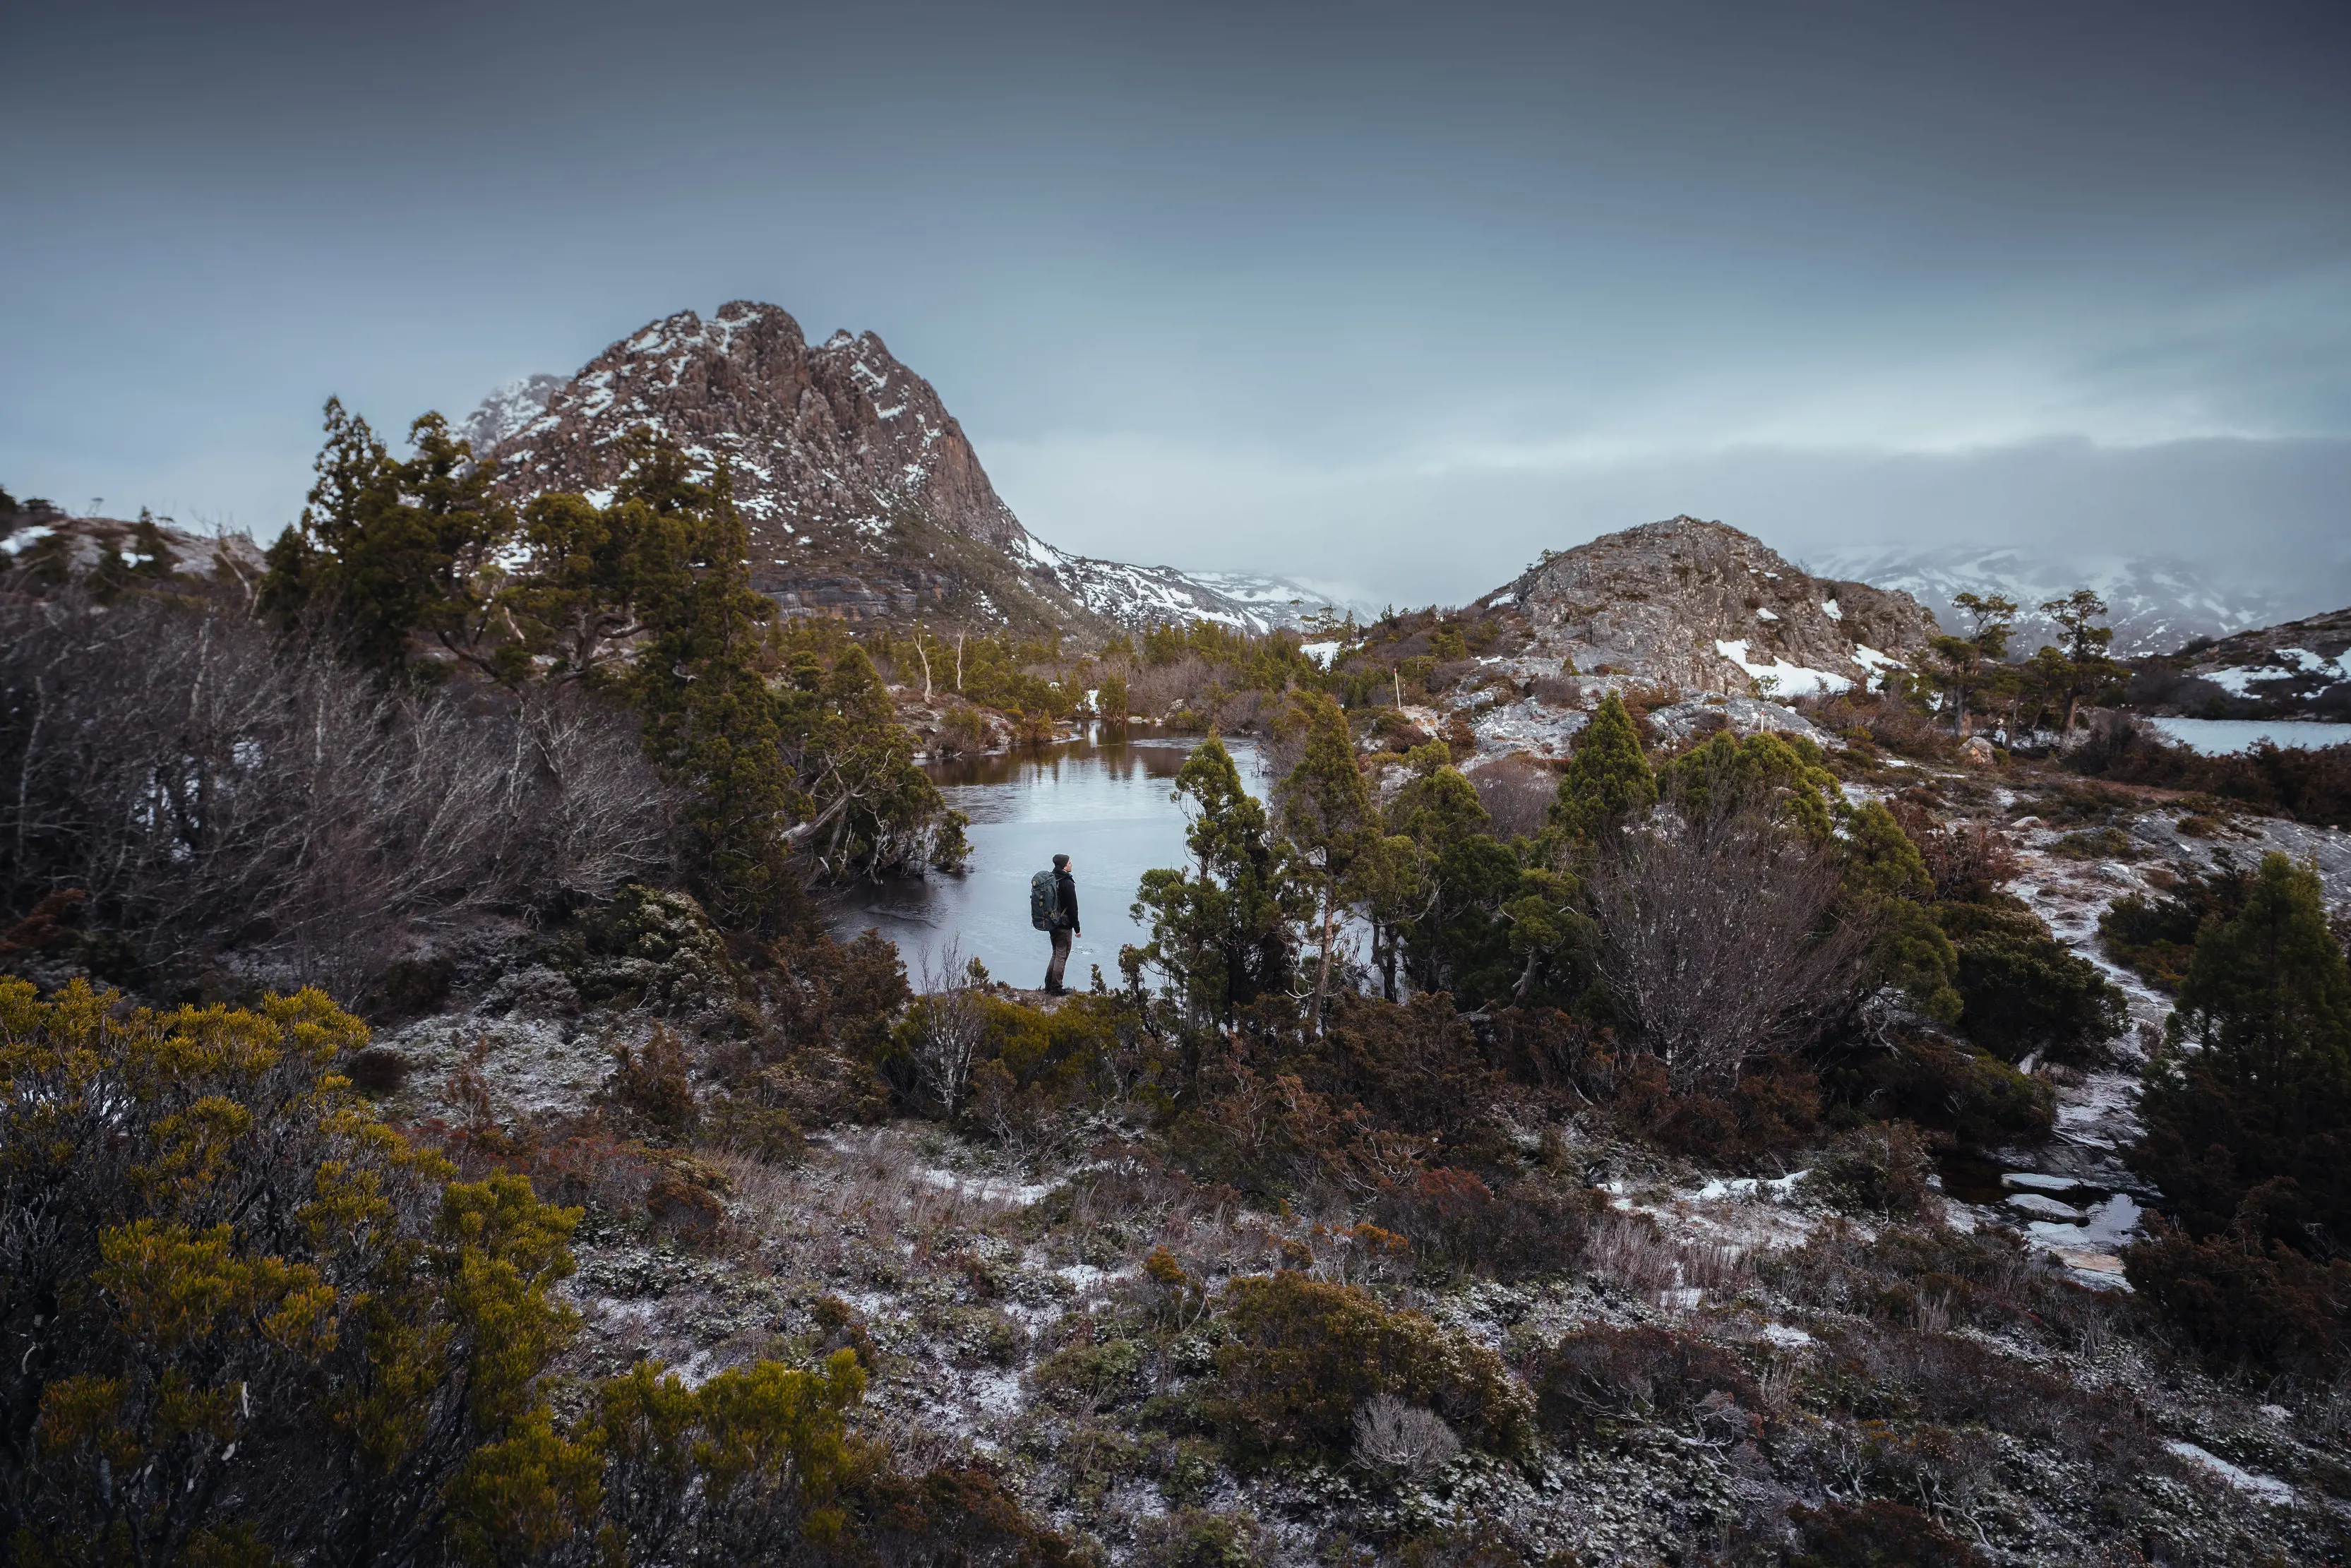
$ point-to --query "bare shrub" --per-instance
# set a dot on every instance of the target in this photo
(1517, 793)
(1884, 1167)
(1717, 936)
(1967, 862)
(1392, 1435)
(212, 792)
(1640, 1371)
(1631, 1253)
(1881, 719)
(1154, 691)
(947, 1025)
(963, 730)
(655, 1087)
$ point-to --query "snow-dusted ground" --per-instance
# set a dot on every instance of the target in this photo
(971, 1275)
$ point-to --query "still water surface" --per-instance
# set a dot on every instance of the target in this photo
(1106, 804)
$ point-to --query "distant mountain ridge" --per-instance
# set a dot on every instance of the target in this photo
(2155, 605)
(862, 494)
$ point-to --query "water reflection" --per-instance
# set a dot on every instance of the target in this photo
(2086, 1218)
(1103, 802)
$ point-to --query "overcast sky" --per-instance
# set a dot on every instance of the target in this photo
(1393, 298)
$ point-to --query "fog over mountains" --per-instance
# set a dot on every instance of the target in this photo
(2155, 605)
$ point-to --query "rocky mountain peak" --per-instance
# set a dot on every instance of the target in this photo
(1700, 606)
(829, 445)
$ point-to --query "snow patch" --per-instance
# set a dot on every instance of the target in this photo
(1776, 1190)
(2269, 1488)
(1788, 680)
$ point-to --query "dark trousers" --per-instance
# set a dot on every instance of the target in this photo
(1061, 959)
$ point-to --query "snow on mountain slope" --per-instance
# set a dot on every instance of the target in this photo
(2301, 669)
(1283, 601)
(1139, 597)
(2155, 605)
(509, 410)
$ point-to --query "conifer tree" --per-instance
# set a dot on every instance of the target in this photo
(596, 575)
(711, 723)
(1222, 933)
(1328, 817)
(2255, 1125)
(1887, 882)
(1393, 889)
(1969, 662)
(858, 795)
(1608, 779)
(396, 555)
(2084, 648)
(1781, 778)
(1544, 921)
(1457, 941)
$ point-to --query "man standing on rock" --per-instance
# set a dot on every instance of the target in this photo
(1063, 927)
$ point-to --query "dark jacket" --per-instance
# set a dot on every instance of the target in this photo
(1066, 887)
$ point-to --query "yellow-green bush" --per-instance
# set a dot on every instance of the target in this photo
(259, 1326)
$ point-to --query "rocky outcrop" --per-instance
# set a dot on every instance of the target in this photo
(862, 494)
(1696, 606)
(2298, 670)
(43, 541)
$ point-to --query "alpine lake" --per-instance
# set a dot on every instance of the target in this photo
(1106, 801)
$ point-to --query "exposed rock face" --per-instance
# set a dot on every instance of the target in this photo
(862, 495)
(1696, 606)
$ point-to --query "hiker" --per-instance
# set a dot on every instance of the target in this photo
(1053, 908)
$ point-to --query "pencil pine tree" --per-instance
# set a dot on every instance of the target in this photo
(1329, 818)
(1608, 779)
(711, 723)
(1221, 932)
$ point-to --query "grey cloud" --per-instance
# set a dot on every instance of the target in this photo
(1476, 271)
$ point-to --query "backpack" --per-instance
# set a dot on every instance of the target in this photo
(1044, 900)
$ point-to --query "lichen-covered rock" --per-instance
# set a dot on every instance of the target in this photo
(1702, 715)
